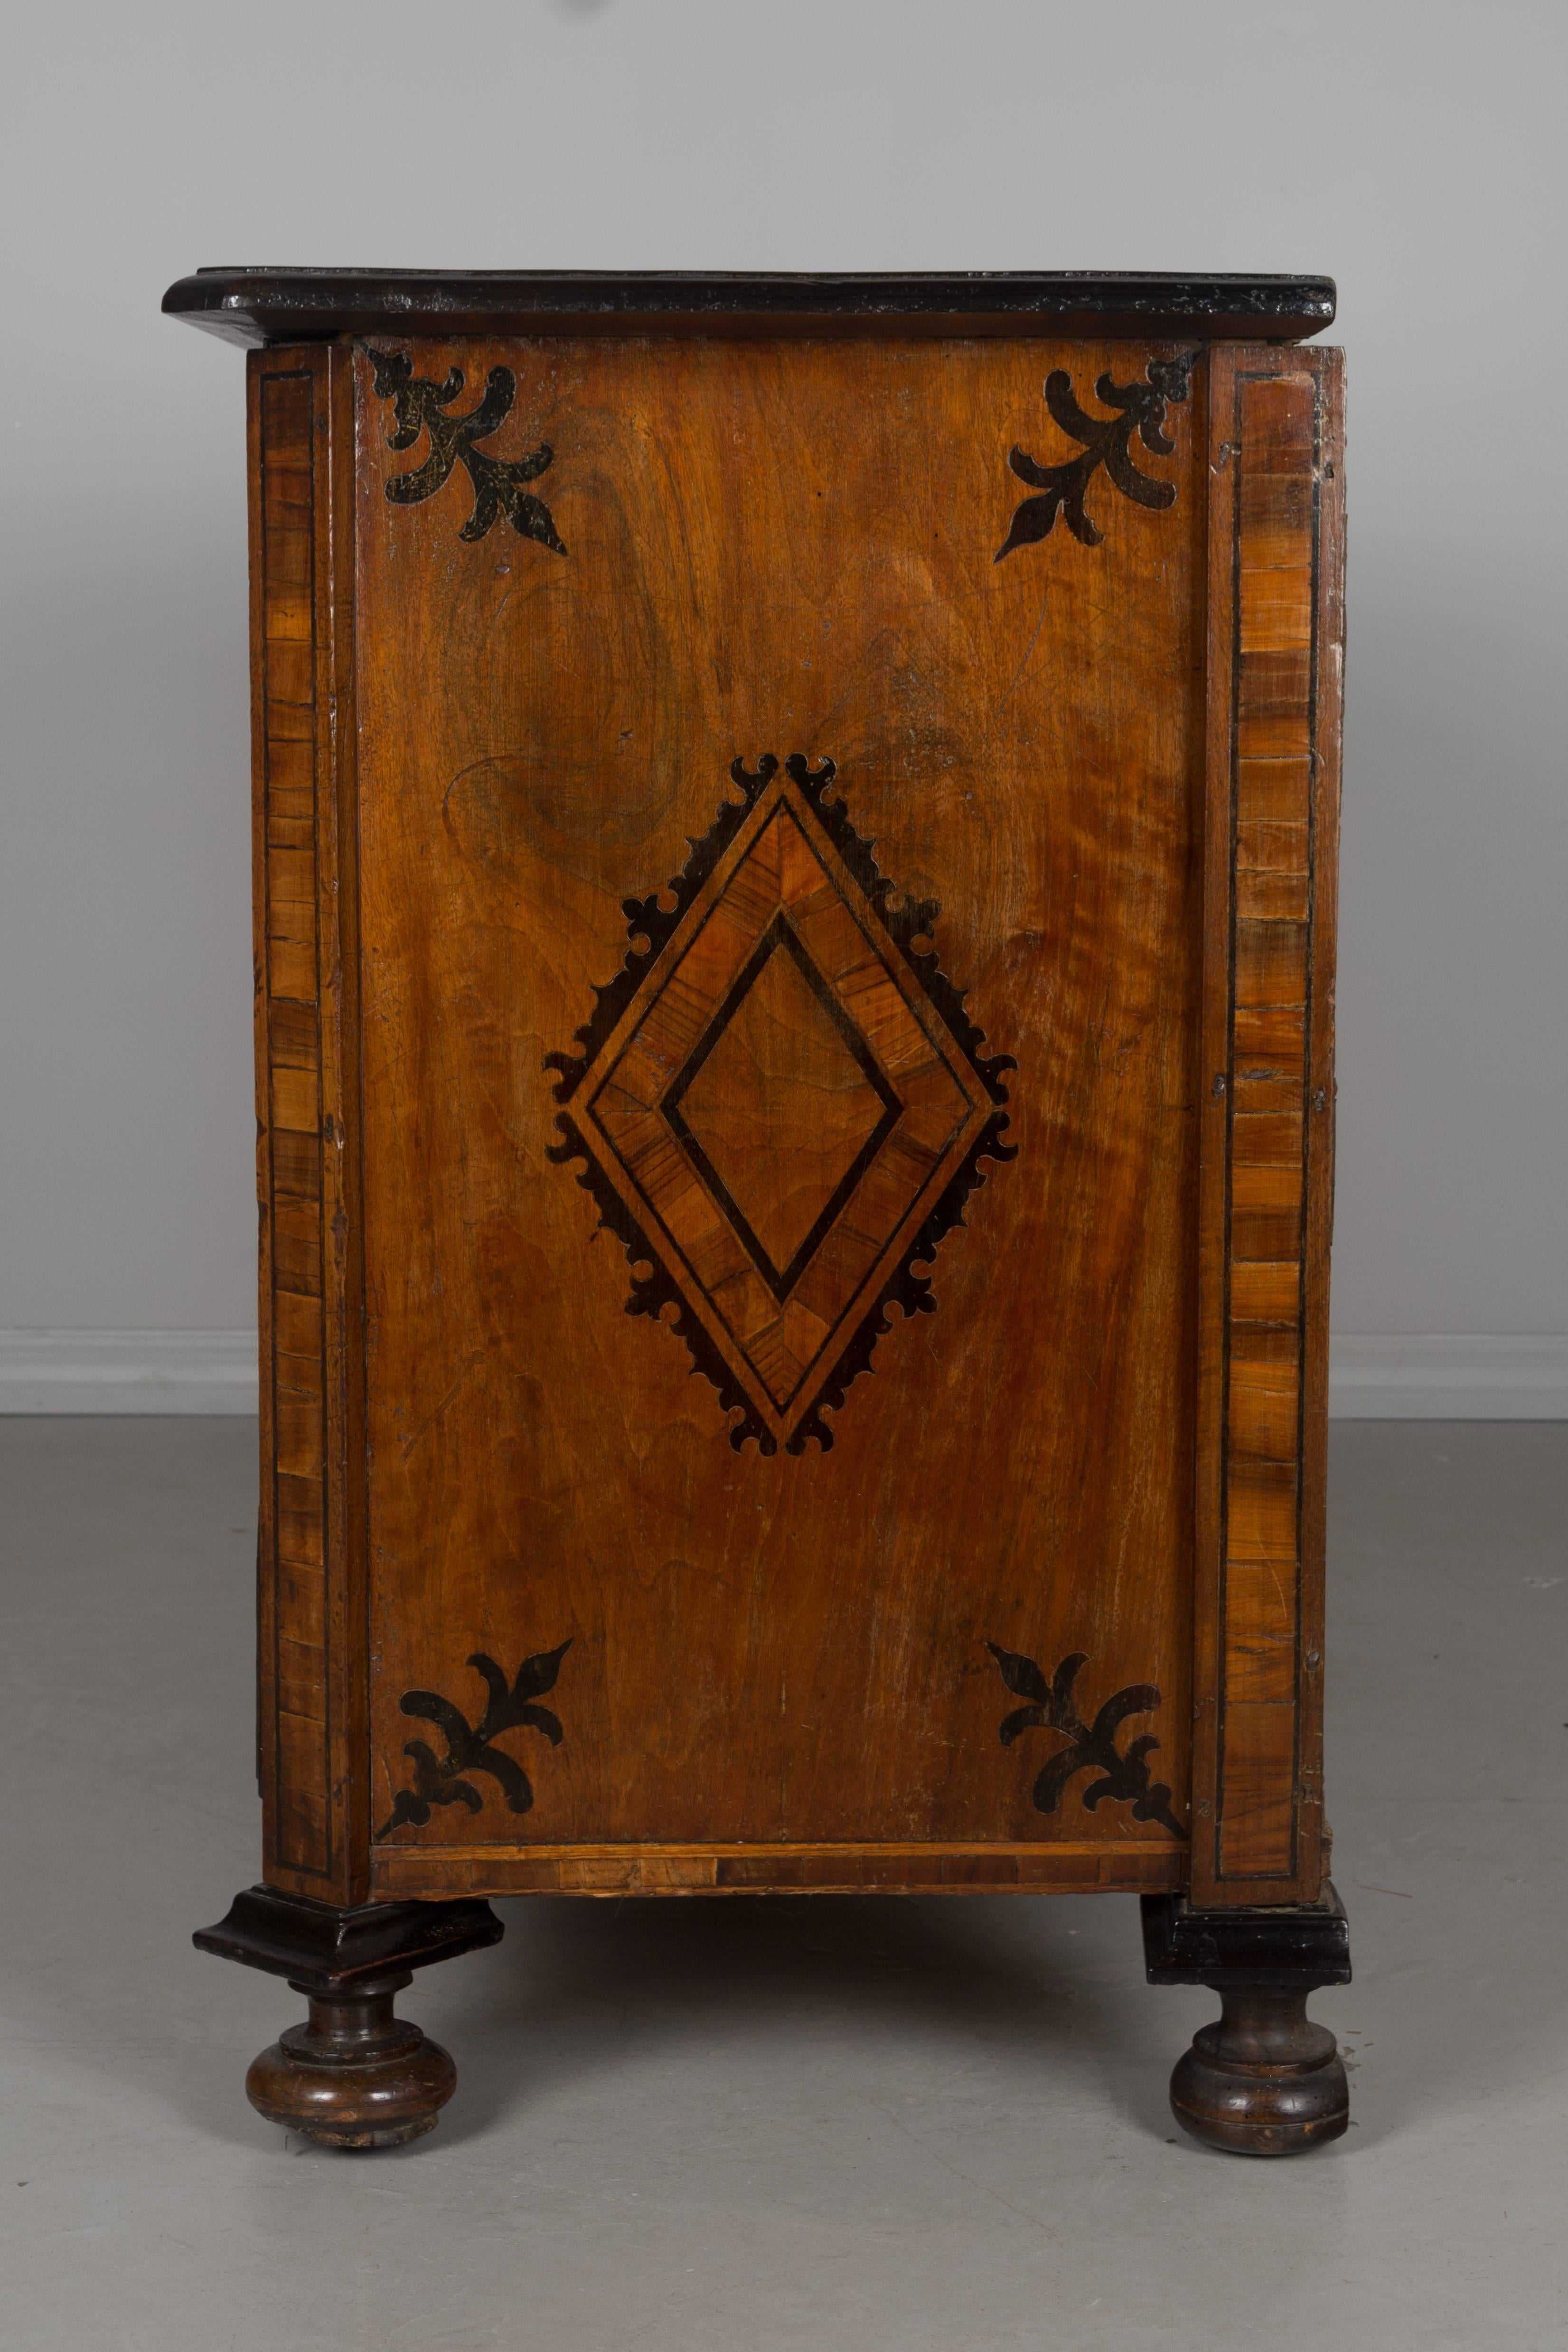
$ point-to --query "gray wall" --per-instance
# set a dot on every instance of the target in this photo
(1415, 153)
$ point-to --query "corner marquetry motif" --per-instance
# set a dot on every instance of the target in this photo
(422, 405)
(1091, 1748)
(782, 1105)
(470, 1747)
(1106, 442)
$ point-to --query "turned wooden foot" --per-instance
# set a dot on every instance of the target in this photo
(1263, 2080)
(353, 2075)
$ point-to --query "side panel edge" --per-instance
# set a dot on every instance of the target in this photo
(310, 1616)
(1275, 646)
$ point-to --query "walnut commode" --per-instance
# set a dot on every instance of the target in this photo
(795, 847)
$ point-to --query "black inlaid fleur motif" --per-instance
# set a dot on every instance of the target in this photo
(440, 1780)
(1107, 441)
(420, 405)
(1091, 1748)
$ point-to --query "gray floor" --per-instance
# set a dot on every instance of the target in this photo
(747, 2127)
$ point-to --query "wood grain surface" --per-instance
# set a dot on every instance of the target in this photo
(778, 549)
(678, 1469)
(1066, 1866)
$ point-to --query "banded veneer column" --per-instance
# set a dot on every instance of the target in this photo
(309, 1612)
(1274, 675)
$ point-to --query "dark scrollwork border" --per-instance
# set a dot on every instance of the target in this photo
(911, 1292)
(654, 1291)
(646, 919)
(910, 920)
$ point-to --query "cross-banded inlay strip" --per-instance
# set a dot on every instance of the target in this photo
(1275, 659)
(292, 1173)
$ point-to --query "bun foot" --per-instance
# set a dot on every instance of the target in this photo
(1263, 2080)
(354, 2076)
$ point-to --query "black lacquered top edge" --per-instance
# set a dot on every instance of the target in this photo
(273, 306)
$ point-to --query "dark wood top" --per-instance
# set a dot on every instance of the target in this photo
(280, 306)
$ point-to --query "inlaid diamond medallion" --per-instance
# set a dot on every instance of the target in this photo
(783, 1106)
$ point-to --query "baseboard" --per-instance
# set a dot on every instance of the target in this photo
(1449, 1376)
(128, 1372)
(1373, 1376)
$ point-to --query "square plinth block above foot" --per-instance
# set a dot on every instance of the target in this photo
(1263, 2080)
(353, 2075)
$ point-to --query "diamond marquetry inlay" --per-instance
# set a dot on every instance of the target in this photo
(780, 1100)
(782, 1107)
